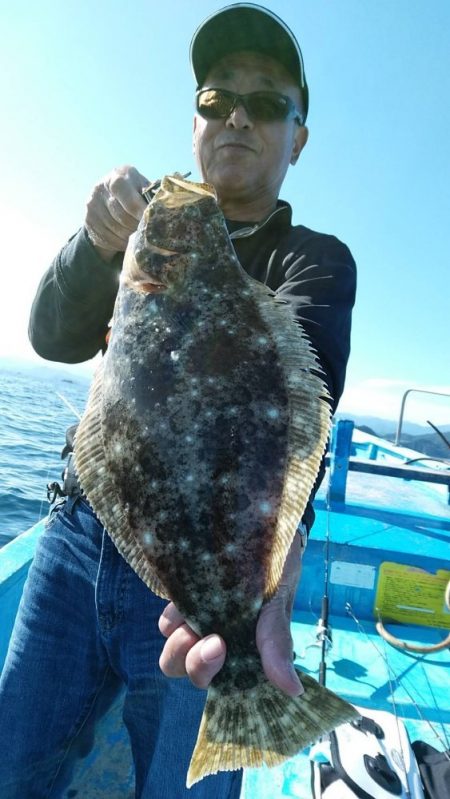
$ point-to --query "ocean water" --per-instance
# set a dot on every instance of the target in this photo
(34, 415)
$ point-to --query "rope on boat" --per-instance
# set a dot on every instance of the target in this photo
(422, 649)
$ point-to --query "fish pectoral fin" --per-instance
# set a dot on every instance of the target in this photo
(249, 728)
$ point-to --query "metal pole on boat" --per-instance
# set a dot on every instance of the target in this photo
(402, 408)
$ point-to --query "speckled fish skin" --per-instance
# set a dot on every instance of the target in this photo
(198, 450)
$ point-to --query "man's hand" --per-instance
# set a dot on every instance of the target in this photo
(200, 659)
(114, 210)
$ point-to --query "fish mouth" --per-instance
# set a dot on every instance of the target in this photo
(155, 249)
(143, 283)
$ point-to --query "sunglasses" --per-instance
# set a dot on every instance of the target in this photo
(260, 106)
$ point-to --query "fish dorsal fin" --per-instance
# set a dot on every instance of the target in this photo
(309, 422)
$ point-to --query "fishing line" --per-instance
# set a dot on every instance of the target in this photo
(69, 405)
(444, 731)
(397, 722)
(360, 627)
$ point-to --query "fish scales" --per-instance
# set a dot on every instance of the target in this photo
(198, 449)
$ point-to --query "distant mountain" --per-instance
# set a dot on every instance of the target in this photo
(386, 427)
(421, 438)
(430, 444)
(55, 372)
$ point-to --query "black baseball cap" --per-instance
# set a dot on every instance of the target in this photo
(247, 26)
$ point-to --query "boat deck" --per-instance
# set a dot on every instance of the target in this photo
(366, 671)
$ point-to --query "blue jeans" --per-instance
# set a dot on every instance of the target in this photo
(87, 629)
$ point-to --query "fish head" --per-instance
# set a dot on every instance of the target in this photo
(174, 234)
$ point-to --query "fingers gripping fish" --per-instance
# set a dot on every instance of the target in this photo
(200, 444)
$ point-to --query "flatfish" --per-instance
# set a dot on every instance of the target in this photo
(200, 444)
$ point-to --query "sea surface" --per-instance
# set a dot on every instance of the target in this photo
(37, 404)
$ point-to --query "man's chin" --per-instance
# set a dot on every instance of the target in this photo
(231, 179)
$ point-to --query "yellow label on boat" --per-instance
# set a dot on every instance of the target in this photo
(412, 596)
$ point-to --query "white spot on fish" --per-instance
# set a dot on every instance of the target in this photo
(256, 605)
(273, 413)
(189, 478)
(183, 544)
(265, 507)
(206, 557)
(175, 355)
(230, 549)
(148, 538)
(118, 448)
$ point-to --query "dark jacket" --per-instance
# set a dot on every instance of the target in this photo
(314, 272)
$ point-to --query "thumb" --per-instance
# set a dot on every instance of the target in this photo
(274, 642)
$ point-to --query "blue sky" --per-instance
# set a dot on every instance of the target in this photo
(89, 85)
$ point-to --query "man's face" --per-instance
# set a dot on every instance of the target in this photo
(243, 158)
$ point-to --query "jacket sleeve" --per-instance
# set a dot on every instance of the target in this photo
(74, 303)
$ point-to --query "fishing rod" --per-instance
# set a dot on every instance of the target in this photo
(323, 635)
(323, 638)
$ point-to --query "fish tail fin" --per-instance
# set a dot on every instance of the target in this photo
(261, 725)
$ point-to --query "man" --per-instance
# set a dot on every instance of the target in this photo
(87, 624)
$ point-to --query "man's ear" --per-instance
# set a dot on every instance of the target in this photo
(300, 139)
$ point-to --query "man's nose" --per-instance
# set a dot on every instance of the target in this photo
(239, 118)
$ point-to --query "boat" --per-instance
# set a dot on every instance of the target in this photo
(374, 589)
